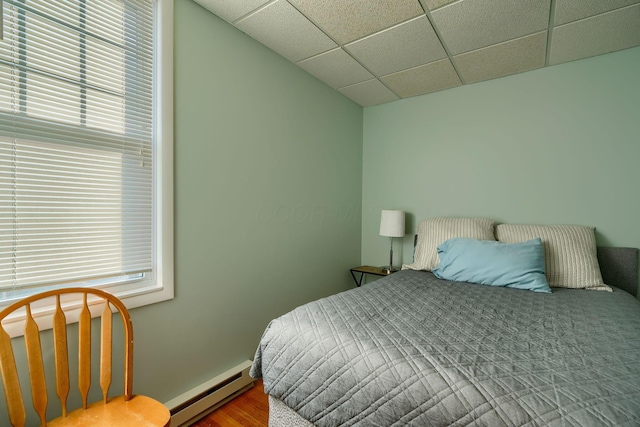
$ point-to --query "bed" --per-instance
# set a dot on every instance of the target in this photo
(413, 349)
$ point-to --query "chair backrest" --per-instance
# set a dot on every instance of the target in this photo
(10, 379)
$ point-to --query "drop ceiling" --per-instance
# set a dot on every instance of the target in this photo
(378, 51)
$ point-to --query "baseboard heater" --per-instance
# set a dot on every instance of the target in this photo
(209, 396)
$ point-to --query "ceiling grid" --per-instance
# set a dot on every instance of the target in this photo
(384, 50)
(552, 13)
(341, 46)
(444, 44)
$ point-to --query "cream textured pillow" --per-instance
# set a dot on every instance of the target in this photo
(569, 253)
(434, 231)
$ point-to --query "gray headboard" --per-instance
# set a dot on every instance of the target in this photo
(619, 267)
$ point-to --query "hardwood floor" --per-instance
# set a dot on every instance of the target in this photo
(250, 409)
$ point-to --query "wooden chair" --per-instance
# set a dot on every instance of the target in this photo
(126, 410)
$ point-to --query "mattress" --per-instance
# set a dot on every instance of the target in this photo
(410, 349)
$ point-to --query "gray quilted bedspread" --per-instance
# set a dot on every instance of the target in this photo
(410, 349)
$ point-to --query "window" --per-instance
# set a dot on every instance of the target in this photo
(85, 147)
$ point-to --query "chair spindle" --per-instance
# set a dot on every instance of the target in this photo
(84, 352)
(11, 382)
(61, 355)
(105, 352)
(36, 367)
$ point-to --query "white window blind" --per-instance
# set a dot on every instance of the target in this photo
(76, 143)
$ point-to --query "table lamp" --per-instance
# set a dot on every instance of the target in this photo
(391, 225)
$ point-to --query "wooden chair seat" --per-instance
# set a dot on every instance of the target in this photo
(126, 410)
(140, 411)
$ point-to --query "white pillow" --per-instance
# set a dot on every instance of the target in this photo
(570, 254)
(434, 231)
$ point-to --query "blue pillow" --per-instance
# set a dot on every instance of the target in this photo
(513, 265)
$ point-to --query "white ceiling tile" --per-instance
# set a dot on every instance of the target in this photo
(573, 10)
(427, 78)
(593, 36)
(349, 20)
(470, 25)
(336, 68)
(369, 93)
(404, 46)
(231, 10)
(282, 28)
(514, 56)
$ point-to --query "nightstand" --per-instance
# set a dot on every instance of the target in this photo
(367, 269)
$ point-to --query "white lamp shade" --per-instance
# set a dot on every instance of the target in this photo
(392, 223)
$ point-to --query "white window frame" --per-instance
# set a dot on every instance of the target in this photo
(159, 287)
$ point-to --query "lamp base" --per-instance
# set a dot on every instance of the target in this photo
(388, 269)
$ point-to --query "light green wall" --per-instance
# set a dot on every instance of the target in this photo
(555, 145)
(268, 181)
(268, 186)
